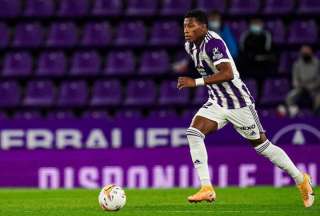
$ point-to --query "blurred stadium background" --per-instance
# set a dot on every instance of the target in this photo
(88, 94)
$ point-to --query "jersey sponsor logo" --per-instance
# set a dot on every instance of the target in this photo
(245, 128)
(216, 54)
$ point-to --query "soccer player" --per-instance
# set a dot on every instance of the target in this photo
(229, 101)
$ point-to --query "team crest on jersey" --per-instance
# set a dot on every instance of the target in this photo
(216, 54)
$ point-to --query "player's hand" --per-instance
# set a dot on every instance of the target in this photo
(185, 82)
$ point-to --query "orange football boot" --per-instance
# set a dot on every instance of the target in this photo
(306, 191)
(206, 193)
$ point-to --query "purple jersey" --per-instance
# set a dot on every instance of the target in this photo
(211, 52)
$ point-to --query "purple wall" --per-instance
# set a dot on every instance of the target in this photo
(93, 153)
(153, 132)
(136, 168)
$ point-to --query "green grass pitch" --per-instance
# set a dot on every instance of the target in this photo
(264, 201)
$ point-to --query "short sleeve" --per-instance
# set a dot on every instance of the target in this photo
(217, 51)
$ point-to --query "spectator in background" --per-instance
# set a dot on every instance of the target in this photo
(217, 25)
(256, 58)
(306, 81)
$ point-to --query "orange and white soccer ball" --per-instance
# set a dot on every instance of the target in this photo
(112, 198)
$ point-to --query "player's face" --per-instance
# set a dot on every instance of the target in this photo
(193, 30)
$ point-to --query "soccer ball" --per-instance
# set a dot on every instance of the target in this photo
(112, 198)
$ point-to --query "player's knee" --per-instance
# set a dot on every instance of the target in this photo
(259, 141)
(192, 133)
(204, 125)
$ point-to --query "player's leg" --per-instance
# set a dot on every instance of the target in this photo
(247, 123)
(277, 156)
(196, 133)
(200, 127)
(205, 121)
(280, 158)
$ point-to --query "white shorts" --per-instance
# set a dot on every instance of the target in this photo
(245, 120)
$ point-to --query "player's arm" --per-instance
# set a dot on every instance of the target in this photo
(217, 52)
(225, 74)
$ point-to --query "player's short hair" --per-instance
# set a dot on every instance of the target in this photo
(199, 15)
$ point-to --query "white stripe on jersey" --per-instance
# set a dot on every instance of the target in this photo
(220, 61)
(220, 94)
(231, 93)
(238, 83)
(187, 48)
(194, 56)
